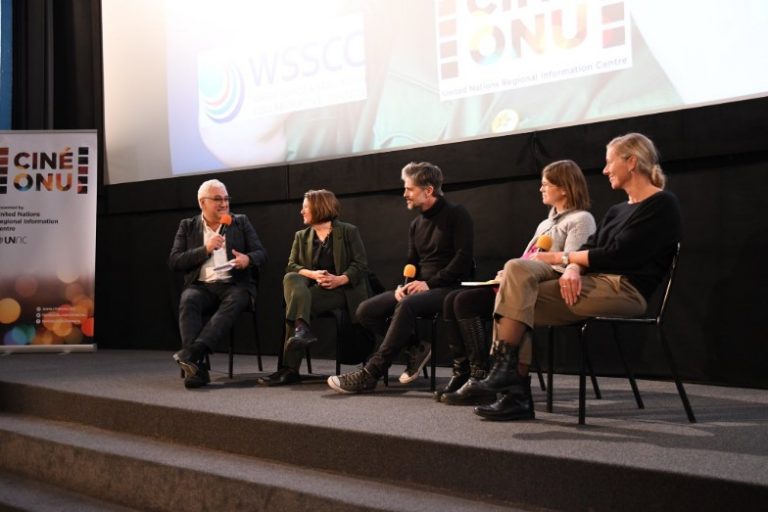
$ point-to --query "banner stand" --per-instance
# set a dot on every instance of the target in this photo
(48, 240)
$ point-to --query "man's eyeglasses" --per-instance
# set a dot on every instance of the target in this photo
(220, 199)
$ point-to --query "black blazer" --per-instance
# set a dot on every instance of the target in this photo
(188, 252)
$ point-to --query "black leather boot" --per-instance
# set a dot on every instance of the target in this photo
(461, 368)
(516, 404)
(471, 393)
(504, 374)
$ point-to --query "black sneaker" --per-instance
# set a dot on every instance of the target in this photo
(359, 381)
(198, 380)
(418, 356)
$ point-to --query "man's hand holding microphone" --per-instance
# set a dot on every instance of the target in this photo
(409, 286)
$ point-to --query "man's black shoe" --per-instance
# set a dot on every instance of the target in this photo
(302, 339)
(198, 380)
(281, 377)
(187, 361)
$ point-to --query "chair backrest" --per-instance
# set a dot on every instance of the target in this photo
(375, 284)
(668, 287)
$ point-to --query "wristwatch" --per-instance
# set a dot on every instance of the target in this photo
(564, 260)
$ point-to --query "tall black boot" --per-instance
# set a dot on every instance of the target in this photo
(461, 368)
(516, 404)
(472, 393)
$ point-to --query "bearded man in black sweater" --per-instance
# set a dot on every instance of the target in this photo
(440, 247)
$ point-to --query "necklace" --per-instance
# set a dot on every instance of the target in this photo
(324, 241)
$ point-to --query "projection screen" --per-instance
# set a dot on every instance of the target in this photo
(195, 85)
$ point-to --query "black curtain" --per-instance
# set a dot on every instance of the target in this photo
(57, 68)
(57, 82)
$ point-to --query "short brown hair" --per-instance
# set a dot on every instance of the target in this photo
(323, 205)
(424, 174)
(567, 175)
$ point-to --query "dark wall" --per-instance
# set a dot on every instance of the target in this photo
(716, 158)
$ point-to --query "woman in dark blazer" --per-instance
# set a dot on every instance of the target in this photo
(327, 270)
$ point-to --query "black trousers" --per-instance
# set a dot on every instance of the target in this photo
(373, 314)
(467, 303)
(221, 301)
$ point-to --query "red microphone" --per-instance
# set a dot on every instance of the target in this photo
(226, 220)
(409, 272)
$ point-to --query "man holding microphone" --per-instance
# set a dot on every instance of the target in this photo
(440, 247)
(216, 250)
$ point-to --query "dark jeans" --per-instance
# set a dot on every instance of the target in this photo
(222, 301)
(373, 314)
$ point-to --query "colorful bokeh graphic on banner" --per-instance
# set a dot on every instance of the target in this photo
(45, 311)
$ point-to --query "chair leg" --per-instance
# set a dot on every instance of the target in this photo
(339, 340)
(673, 368)
(432, 353)
(550, 365)
(627, 370)
(583, 375)
(433, 356)
(338, 351)
(538, 371)
(588, 361)
(257, 339)
(231, 352)
(282, 348)
(309, 361)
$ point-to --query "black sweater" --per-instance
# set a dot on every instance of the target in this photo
(637, 241)
(440, 245)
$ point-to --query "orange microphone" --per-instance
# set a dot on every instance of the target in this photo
(543, 243)
(226, 220)
(409, 272)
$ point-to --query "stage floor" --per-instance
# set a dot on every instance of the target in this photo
(728, 443)
(730, 439)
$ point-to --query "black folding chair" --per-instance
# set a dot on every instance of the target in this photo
(657, 321)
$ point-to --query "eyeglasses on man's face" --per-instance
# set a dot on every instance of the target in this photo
(220, 199)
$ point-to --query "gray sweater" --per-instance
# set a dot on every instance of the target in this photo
(569, 230)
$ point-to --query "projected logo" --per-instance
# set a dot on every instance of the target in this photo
(63, 171)
(295, 68)
(220, 87)
(486, 46)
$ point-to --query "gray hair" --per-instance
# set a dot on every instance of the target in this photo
(424, 174)
(208, 185)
